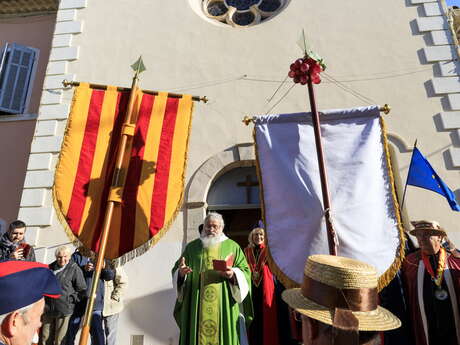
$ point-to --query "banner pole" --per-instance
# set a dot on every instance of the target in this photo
(116, 183)
(408, 171)
(331, 234)
(67, 83)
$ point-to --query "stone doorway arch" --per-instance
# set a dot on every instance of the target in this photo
(240, 155)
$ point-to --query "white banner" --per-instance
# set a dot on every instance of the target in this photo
(361, 194)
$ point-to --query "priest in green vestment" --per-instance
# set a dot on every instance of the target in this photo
(209, 308)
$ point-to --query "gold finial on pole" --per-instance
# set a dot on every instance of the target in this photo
(386, 109)
(138, 67)
(247, 120)
(66, 83)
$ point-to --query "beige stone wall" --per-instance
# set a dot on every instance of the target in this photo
(376, 51)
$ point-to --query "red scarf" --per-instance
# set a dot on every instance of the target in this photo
(261, 274)
(441, 266)
(256, 265)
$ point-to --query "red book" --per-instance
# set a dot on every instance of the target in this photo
(223, 265)
(26, 248)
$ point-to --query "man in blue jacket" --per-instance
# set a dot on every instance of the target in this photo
(86, 259)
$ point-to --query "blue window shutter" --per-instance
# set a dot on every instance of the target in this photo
(16, 76)
(2, 63)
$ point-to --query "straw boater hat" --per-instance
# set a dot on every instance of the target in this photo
(427, 226)
(334, 286)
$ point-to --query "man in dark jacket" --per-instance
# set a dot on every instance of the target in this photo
(85, 259)
(58, 311)
(13, 245)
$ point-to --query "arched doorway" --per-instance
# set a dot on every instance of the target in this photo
(235, 195)
(210, 175)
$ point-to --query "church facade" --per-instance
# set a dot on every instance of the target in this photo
(237, 53)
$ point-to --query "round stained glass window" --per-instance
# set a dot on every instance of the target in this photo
(239, 13)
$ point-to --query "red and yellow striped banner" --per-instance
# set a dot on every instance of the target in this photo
(153, 168)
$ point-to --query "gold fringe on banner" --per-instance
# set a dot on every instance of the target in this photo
(390, 273)
(287, 282)
(57, 208)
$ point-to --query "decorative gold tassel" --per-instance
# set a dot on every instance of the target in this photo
(287, 282)
(390, 273)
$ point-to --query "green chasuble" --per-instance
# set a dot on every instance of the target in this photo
(206, 311)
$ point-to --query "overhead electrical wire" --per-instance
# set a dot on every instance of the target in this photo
(337, 83)
(327, 78)
(279, 101)
(349, 89)
(245, 77)
(208, 83)
(277, 89)
(376, 76)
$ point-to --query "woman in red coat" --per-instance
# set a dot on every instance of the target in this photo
(264, 327)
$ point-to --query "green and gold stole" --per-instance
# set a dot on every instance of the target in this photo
(208, 333)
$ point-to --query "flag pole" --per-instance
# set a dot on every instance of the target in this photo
(331, 234)
(408, 171)
(67, 83)
(127, 132)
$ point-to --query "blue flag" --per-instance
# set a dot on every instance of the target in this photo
(422, 175)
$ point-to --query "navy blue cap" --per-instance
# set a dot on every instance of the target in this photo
(23, 283)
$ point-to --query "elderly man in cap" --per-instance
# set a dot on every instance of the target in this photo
(339, 304)
(58, 311)
(22, 288)
(432, 286)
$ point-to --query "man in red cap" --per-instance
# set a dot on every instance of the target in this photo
(22, 287)
(432, 286)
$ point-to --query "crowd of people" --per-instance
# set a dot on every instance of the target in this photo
(338, 302)
(229, 296)
(72, 273)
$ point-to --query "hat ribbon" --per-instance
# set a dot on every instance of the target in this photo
(363, 299)
(343, 302)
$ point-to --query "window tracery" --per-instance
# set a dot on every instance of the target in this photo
(242, 13)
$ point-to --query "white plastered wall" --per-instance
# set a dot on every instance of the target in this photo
(380, 52)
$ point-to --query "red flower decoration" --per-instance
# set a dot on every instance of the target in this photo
(302, 69)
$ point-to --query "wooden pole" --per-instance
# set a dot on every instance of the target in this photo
(108, 215)
(331, 235)
(405, 186)
(67, 83)
(248, 119)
